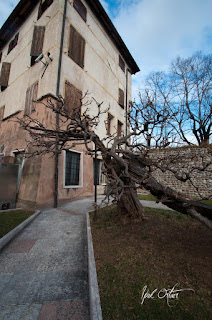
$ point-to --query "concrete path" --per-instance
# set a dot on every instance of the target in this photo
(153, 204)
(44, 272)
(86, 205)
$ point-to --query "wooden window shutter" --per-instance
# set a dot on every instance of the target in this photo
(109, 119)
(81, 9)
(13, 43)
(119, 129)
(44, 4)
(5, 73)
(34, 95)
(121, 64)
(121, 98)
(81, 51)
(31, 97)
(76, 47)
(2, 112)
(73, 98)
(27, 101)
(37, 41)
(0, 56)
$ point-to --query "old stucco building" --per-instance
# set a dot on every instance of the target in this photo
(82, 51)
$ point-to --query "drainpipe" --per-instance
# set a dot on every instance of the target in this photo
(127, 70)
(57, 114)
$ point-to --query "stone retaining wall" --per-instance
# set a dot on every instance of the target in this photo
(183, 160)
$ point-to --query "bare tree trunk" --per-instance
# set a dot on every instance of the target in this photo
(129, 207)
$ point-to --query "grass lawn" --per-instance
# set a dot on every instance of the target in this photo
(207, 201)
(165, 249)
(10, 219)
(148, 197)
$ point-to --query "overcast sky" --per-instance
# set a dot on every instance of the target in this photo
(155, 31)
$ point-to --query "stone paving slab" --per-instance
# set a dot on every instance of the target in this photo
(20, 312)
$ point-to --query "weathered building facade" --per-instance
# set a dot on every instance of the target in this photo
(59, 47)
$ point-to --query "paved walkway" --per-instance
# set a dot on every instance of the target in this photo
(44, 270)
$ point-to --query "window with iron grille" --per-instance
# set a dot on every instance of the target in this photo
(121, 64)
(13, 43)
(76, 49)
(72, 168)
(96, 171)
(81, 9)
(44, 4)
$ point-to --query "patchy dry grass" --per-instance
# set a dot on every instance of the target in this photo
(167, 248)
(11, 219)
(148, 197)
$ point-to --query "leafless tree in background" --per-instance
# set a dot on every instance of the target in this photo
(185, 92)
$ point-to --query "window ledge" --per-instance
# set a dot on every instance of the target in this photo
(72, 187)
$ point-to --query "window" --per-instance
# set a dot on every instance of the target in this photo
(121, 64)
(13, 43)
(2, 113)
(0, 56)
(109, 123)
(31, 97)
(81, 9)
(76, 47)
(72, 168)
(44, 4)
(73, 98)
(96, 171)
(37, 43)
(121, 98)
(119, 128)
(5, 73)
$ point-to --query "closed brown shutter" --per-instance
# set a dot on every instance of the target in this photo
(13, 43)
(72, 42)
(27, 101)
(73, 98)
(34, 95)
(109, 119)
(5, 73)
(121, 98)
(81, 9)
(119, 129)
(37, 41)
(81, 51)
(44, 4)
(31, 97)
(2, 112)
(121, 64)
(76, 47)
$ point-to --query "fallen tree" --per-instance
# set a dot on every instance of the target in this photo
(126, 158)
